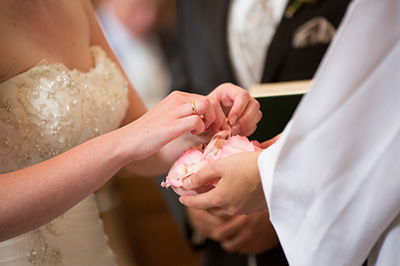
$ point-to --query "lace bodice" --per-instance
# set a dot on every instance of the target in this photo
(50, 109)
(46, 111)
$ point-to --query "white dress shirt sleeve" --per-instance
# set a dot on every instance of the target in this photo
(332, 182)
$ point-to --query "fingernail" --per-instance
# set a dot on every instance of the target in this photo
(187, 183)
(232, 120)
(235, 130)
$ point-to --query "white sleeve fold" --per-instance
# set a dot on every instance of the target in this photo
(332, 182)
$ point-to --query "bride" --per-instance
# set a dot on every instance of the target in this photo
(69, 121)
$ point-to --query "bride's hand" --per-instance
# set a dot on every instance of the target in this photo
(177, 114)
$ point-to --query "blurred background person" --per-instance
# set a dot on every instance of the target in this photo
(138, 31)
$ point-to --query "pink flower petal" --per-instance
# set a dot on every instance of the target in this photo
(236, 144)
(196, 158)
(190, 157)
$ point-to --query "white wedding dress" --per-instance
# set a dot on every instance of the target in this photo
(46, 111)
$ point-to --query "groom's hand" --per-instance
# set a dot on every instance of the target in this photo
(238, 191)
(242, 110)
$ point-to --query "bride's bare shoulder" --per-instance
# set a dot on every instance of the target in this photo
(31, 31)
(7, 39)
(14, 15)
(10, 63)
(10, 20)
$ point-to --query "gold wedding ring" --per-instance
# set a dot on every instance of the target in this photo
(194, 108)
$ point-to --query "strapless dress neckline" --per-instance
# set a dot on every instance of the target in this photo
(44, 112)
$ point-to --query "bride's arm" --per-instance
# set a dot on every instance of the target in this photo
(35, 195)
(161, 161)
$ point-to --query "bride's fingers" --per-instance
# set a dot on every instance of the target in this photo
(194, 123)
(202, 107)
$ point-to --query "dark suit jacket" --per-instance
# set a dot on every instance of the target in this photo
(201, 63)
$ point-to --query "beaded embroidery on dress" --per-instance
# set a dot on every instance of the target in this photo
(45, 111)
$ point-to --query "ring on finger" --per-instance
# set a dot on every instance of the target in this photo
(194, 110)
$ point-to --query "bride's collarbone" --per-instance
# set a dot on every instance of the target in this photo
(20, 58)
